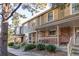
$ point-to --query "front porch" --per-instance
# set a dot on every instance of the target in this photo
(62, 31)
(59, 36)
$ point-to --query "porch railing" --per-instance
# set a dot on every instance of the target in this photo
(48, 40)
(69, 46)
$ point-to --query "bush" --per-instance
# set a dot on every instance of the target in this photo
(41, 47)
(17, 46)
(11, 44)
(29, 47)
(22, 44)
(51, 48)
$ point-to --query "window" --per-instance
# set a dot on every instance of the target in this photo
(18, 30)
(50, 16)
(29, 41)
(75, 8)
(52, 32)
(29, 36)
(24, 29)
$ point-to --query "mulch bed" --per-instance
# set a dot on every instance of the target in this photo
(45, 53)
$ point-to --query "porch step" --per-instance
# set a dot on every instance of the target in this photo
(76, 45)
(74, 55)
(75, 50)
(62, 48)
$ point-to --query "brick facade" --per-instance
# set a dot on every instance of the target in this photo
(64, 35)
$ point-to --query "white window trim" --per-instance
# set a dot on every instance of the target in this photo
(71, 9)
(53, 16)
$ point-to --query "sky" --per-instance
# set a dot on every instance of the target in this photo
(23, 12)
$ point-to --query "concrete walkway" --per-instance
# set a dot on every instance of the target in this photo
(19, 52)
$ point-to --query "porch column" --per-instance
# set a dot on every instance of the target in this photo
(74, 35)
(36, 36)
(57, 35)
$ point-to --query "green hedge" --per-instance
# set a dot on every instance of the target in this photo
(11, 44)
(29, 47)
(22, 44)
(17, 46)
(51, 48)
(41, 47)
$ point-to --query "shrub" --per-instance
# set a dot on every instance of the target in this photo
(22, 44)
(29, 47)
(41, 47)
(11, 44)
(17, 46)
(33, 42)
(51, 48)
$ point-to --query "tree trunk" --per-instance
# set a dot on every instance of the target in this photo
(4, 38)
(4, 29)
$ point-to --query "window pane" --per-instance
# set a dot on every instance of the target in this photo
(75, 8)
(52, 32)
(50, 16)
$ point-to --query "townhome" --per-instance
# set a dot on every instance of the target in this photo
(55, 26)
(29, 30)
(58, 25)
(18, 35)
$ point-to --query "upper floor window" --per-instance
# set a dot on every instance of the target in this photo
(24, 29)
(50, 16)
(18, 30)
(75, 8)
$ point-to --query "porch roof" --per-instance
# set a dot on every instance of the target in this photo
(67, 21)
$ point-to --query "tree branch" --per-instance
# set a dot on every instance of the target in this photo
(14, 11)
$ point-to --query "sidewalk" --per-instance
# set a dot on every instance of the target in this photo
(19, 52)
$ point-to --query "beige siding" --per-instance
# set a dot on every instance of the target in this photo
(55, 14)
(67, 11)
(64, 12)
(46, 33)
(42, 19)
(46, 17)
(38, 21)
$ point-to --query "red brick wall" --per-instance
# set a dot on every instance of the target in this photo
(64, 35)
